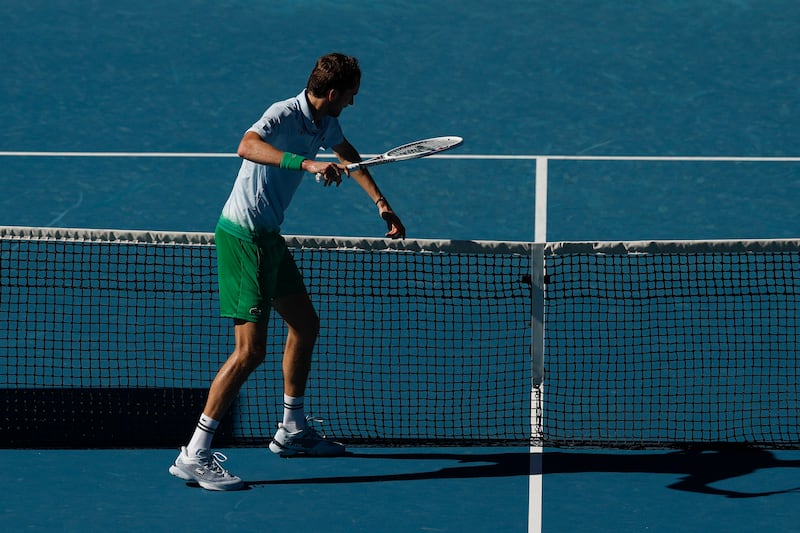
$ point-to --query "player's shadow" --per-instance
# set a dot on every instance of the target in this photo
(699, 468)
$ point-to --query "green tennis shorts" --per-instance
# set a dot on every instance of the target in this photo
(252, 274)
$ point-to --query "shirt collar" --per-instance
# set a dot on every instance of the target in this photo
(308, 117)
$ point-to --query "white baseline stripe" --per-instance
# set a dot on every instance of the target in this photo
(220, 155)
(528, 157)
(176, 155)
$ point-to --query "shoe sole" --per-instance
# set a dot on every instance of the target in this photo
(274, 447)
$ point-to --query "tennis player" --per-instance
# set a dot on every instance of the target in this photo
(257, 271)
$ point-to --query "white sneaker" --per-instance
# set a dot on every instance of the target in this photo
(306, 441)
(206, 470)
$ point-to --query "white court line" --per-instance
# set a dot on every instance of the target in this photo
(529, 157)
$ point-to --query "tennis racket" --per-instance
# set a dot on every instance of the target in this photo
(412, 150)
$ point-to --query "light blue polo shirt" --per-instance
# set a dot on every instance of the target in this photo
(261, 193)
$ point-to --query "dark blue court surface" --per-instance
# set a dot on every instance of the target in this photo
(371, 490)
(406, 489)
(675, 491)
(685, 77)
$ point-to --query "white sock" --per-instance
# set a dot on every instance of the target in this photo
(203, 433)
(294, 415)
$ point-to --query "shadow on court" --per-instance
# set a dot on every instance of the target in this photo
(700, 468)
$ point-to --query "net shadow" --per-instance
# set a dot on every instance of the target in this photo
(699, 469)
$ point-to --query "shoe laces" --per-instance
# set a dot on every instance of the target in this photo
(213, 461)
(310, 428)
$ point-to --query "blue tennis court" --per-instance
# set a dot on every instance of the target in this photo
(484, 489)
(578, 78)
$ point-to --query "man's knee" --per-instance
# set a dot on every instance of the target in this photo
(249, 357)
(307, 329)
(251, 345)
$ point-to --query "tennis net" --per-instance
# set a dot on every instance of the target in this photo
(664, 344)
(111, 338)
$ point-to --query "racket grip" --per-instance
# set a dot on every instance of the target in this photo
(350, 168)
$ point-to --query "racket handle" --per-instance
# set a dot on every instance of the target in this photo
(350, 168)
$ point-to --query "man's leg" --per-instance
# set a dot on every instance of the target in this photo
(303, 324)
(196, 462)
(294, 436)
(248, 354)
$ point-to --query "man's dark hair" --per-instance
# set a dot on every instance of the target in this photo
(334, 71)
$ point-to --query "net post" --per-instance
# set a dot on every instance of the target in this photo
(537, 302)
(537, 314)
